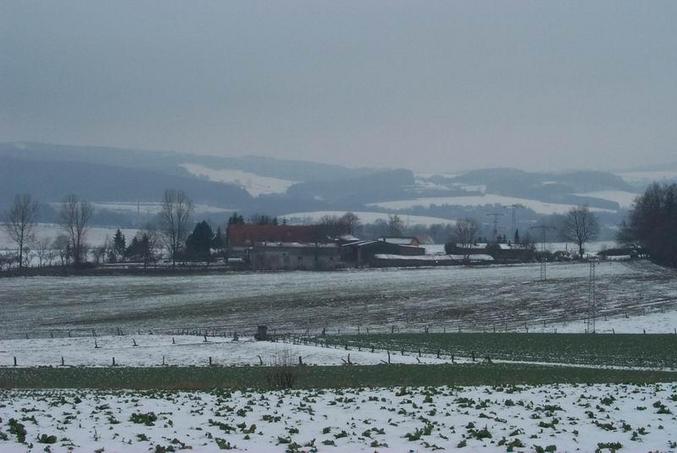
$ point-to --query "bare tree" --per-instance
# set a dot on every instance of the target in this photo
(150, 241)
(100, 252)
(42, 250)
(74, 217)
(19, 223)
(175, 219)
(395, 225)
(580, 226)
(466, 230)
(62, 246)
(351, 222)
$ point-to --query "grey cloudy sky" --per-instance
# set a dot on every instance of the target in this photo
(429, 85)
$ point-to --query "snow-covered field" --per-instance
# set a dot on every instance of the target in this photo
(647, 177)
(494, 419)
(149, 207)
(539, 207)
(624, 199)
(254, 184)
(365, 217)
(180, 350)
(658, 322)
(473, 298)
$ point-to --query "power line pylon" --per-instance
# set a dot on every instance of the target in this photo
(495, 215)
(592, 299)
(544, 263)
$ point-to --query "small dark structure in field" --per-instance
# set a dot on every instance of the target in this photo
(261, 333)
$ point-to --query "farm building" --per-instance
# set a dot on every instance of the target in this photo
(401, 240)
(501, 253)
(362, 253)
(295, 256)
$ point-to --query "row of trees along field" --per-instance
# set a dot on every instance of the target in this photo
(170, 230)
(579, 225)
(21, 219)
(650, 226)
(652, 223)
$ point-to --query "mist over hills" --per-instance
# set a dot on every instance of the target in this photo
(279, 187)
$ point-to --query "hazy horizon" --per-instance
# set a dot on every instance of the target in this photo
(434, 86)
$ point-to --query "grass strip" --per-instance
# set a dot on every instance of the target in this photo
(632, 350)
(199, 378)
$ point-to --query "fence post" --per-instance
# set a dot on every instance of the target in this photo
(14, 360)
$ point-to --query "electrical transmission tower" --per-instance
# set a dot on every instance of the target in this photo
(495, 215)
(544, 262)
(592, 299)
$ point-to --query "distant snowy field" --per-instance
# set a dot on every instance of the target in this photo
(539, 207)
(647, 177)
(254, 184)
(493, 419)
(624, 199)
(366, 217)
(149, 208)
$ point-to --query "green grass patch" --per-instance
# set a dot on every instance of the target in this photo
(199, 378)
(633, 350)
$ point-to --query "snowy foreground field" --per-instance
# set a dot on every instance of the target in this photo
(514, 418)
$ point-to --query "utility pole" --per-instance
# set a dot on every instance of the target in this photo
(592, 299)
(495, 215)
(544, 263)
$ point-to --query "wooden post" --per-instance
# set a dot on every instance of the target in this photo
(14, 360)
(210, 360)
(173, 340)
(163, 360)
(134, 342)
(113, 361)
(388, 356)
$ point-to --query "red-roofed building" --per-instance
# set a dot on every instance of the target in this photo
(247, 235)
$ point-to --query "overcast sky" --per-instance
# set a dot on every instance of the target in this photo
(421, 84)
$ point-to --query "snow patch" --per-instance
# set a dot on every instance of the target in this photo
(254, 184)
